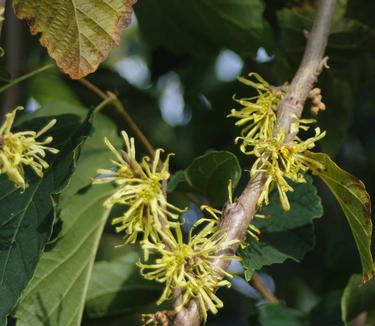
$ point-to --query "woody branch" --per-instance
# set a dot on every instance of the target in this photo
(237, 216)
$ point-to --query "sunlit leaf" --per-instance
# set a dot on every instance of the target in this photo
(116, 287)
(355, 202)
(27, 218)
(57, 291)
(56, 294)
(78, 34)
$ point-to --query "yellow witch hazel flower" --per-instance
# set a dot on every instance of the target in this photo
(19, 149)
(280, 160)
(277, 158)
(140, 188)
(257, 117)
(188, 266)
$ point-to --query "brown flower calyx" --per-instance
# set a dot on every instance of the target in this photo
(316, 99)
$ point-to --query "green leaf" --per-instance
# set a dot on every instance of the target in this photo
(357, 298)
(78, 34)
(285, 235)
(94, 154)
(116, 287)
(209, 175)
(27, 217)
(57, 292)
(355, 202)
(280, 315)
(50, 87)
(52, 108)
(237, 24)
(176, 178)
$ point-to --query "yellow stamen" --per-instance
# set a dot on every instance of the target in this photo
(19, 149)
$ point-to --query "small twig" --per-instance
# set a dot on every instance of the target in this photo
(103, 104)
(15, 58)
(120, 109)
(24, 77)
(2, 14)
(237, 216)
(93, 88)
(258, 284)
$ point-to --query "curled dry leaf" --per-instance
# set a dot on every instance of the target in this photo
(78, 34)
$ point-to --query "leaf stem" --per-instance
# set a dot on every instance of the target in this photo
(26, 76)
(258, 284)
(120, 109)
(103, 104)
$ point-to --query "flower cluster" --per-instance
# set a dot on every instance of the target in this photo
(183, 266)
(140, 190)
(280, 160)
(19, 149)
(277, 157)
(257, 117)
(187, 267)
